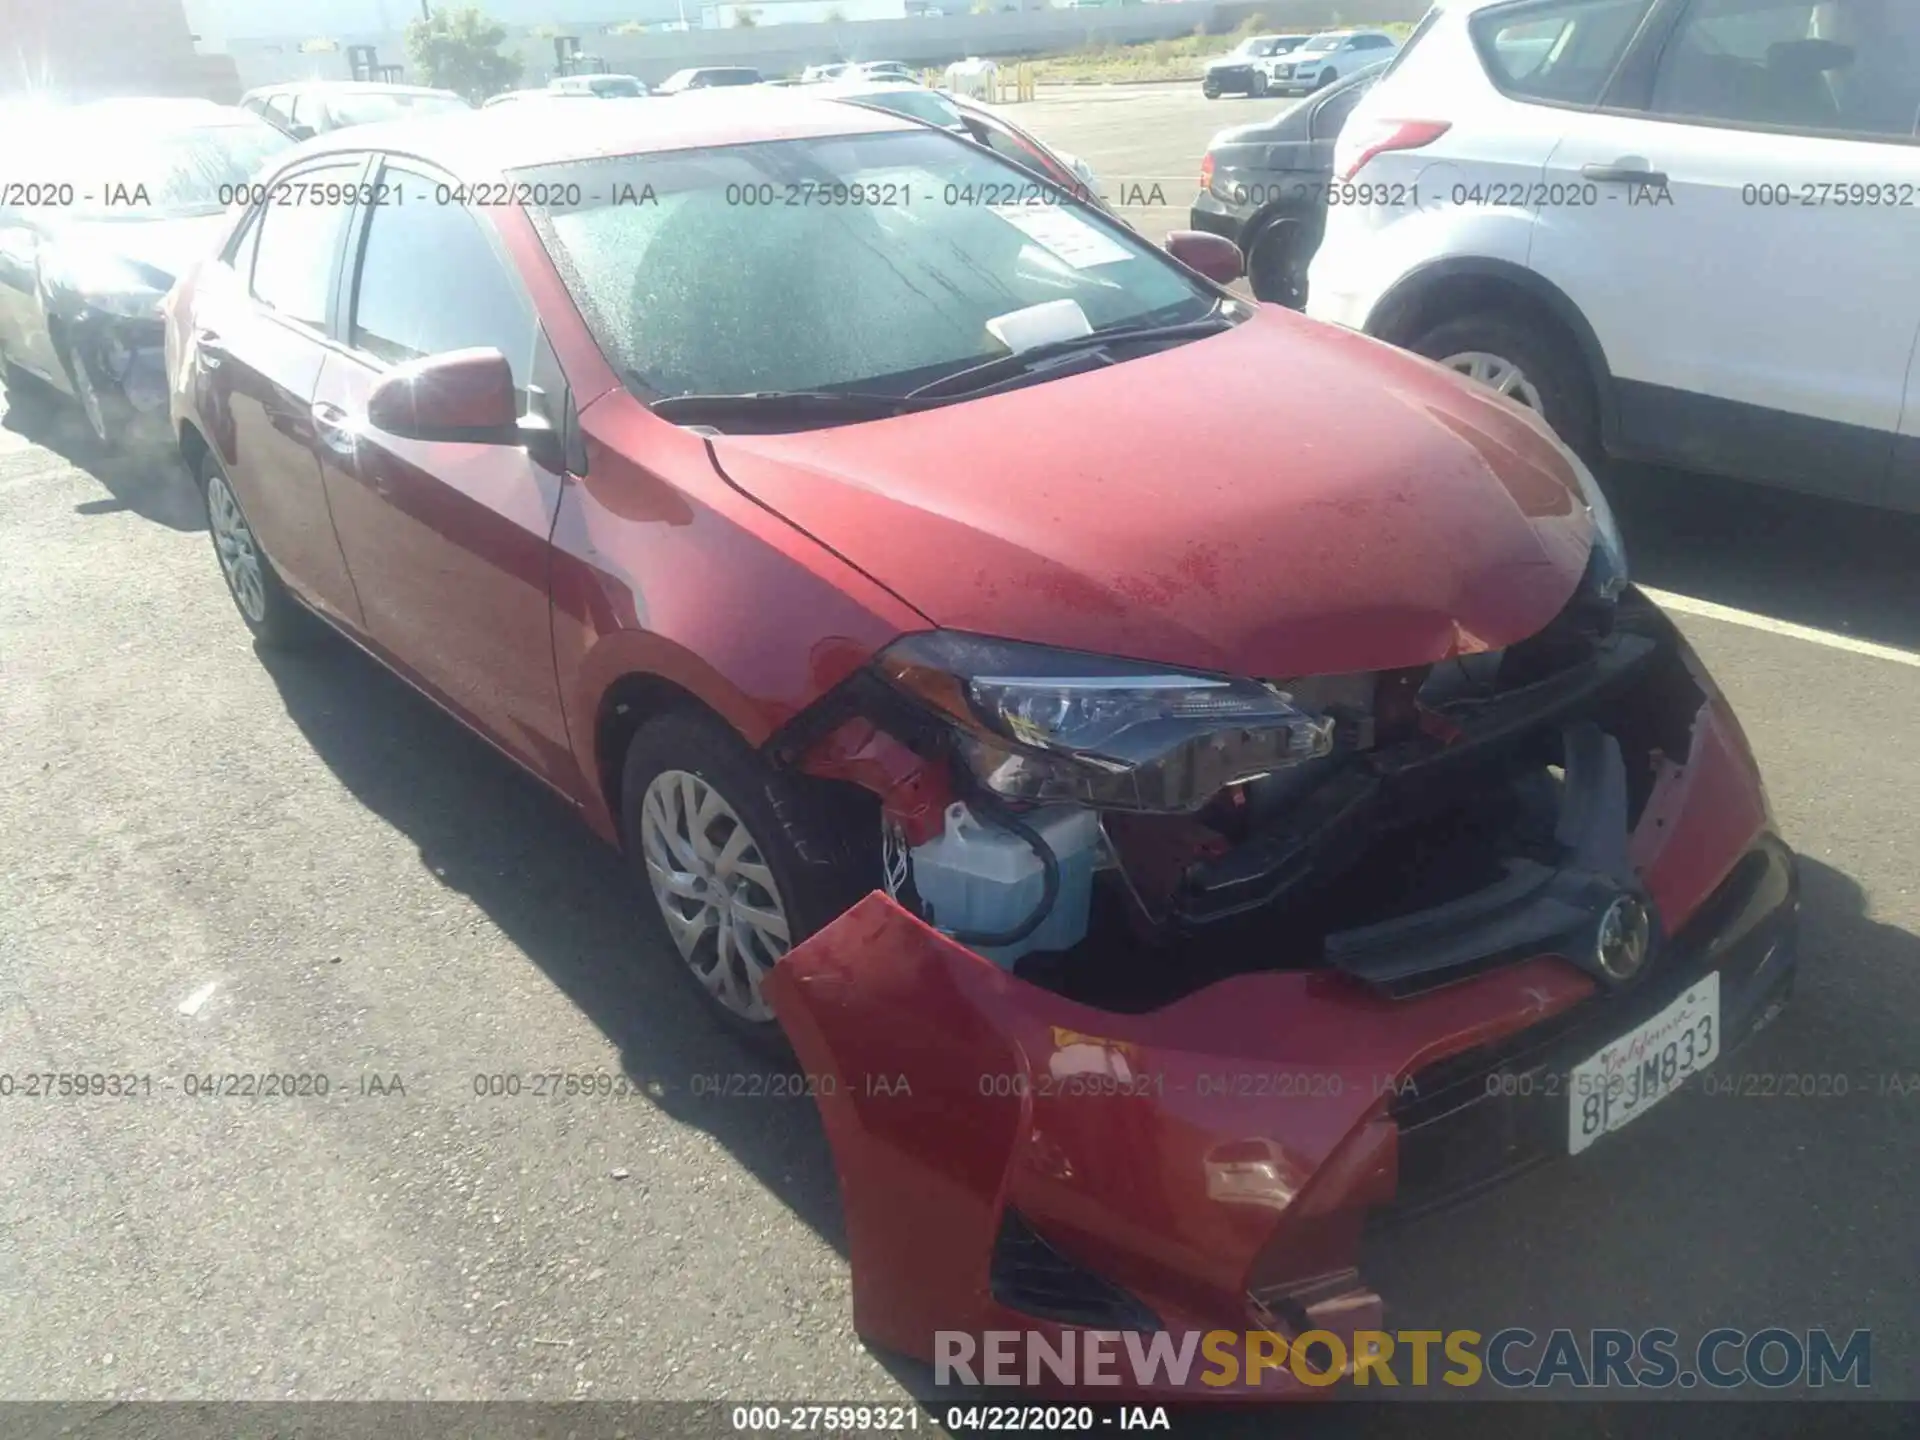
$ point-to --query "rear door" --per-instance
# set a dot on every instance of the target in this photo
(262, 325)
(1745, 241)
(448, 541)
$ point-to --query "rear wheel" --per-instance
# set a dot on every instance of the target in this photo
(1524, 360)
(1277, 266)
(743, 860)
(273, 615)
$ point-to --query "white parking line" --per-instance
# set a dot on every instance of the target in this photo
(1707, 610)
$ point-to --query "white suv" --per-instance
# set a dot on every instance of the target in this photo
(1326, 58)
(1686, 231)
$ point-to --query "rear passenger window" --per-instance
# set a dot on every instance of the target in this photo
(430, 281)
(1561, 50)
(1835, 66)
(296, 247)
(1335, 109)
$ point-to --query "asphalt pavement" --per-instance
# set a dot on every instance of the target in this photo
(218, 863)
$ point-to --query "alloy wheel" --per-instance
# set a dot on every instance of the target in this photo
(715, 890)
(239, 556)
(1500, 375)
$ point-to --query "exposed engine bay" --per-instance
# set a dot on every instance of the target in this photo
(1125, 839)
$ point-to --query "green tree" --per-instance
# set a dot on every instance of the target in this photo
(460, 50)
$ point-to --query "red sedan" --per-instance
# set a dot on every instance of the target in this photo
(1182, 779)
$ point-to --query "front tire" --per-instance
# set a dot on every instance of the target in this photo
(1258, 86)
(1327, 77)
(105, 412)
(1529, 363)
(742, 861)
(268, 610)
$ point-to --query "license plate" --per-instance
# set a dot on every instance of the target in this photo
(1644, 1066)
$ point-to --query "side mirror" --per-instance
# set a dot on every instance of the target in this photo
(299, 131)
(464, 395)
(1214, 256)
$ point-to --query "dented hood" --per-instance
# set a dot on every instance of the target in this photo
(1283, 498)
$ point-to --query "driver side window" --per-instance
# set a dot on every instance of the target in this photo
(431, 281)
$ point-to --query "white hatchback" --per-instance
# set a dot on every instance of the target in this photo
(1687, 231)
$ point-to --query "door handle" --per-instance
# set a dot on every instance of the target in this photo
(1628, 170)
(335, 427)
(207, 346)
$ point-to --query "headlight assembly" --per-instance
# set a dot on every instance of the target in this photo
(1055, 726)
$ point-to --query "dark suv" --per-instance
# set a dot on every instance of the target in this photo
(1264, 186)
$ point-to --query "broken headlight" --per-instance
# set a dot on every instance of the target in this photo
(1056, 726)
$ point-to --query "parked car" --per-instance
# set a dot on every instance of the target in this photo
(314, 107)
(815, 74)
(1245, 69)
(934, 107)
(990, 126)
(123, 196)
(518, 97)
(710, 77)
(1325, 58)
(863, 533)
(1675, 229)
(887, 70)
(600, 87)
(1266, 187)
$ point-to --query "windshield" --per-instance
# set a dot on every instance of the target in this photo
(123, 174)
(374, 106)
(865, 262)
(616, 86)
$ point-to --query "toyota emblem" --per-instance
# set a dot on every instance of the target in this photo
(1625, 939)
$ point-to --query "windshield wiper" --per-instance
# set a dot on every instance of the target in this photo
(825, 406)
(1015, 366)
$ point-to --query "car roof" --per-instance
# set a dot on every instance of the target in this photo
(514, 137)
(164, 115)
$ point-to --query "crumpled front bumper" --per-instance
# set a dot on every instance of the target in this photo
(1012, 1160)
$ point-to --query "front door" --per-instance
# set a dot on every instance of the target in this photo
(448, 540)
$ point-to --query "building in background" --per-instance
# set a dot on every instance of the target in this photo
(799, 12)
(85, 49)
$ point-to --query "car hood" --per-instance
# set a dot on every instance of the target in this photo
(167, 247)
(1281, 499)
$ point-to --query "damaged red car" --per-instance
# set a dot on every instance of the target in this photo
(1170, 845)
